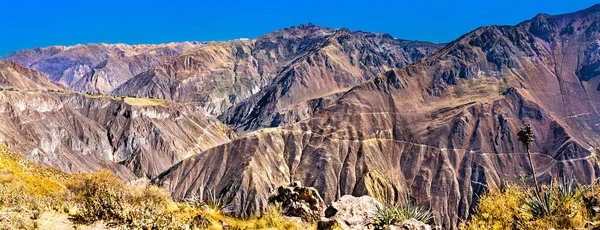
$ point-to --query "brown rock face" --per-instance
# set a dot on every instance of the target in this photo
(97, 68)
(303, 62)
(13, 75)
(440, 130)
(150, 135)
(80, 133)
(319, 76)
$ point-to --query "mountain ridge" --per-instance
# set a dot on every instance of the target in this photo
(444, 126)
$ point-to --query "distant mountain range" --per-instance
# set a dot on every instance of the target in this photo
(346, 112)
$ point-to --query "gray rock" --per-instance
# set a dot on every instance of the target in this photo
(413, 224)
(351, 213)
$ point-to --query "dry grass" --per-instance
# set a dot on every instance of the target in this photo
(145, 101)
(518, 207)
(32, 197)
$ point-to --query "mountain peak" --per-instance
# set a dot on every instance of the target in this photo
(310, 25)
(594, 8)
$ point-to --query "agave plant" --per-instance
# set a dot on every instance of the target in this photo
(390, 214)
(565, 188)
(539, 203)
(210, 199)
(411, 211)
(387, 215)
(526, 137)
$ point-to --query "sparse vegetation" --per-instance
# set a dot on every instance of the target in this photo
(560, 205)
(390, 214)
(31, 196)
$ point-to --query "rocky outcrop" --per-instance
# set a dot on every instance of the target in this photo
(308, 61)
(442, 130)
(97, 68)
(299, 201)
(350, 213)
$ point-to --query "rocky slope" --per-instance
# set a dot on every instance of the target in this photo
(13, 75)
(80, 133)
(440, 130)
(223, 74)
(97, 68)
(319, 76)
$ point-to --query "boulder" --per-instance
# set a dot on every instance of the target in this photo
(413, 224)
(298, 201)
(350, 213)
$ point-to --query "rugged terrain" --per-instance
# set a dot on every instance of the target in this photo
(15, 76)
(80, 133)
(441, 130)
(342, 111)
(97, 68)
(307, 61)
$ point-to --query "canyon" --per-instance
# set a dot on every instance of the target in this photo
(345, 112)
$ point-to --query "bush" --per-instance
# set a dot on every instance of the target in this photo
(28, 190)
(101, 197)
(559, 205)
(390, 214)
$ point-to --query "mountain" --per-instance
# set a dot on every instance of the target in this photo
(222, 74)
(441, 130)
(97, 68)
(80, 133)
(321, 75)
(13, 75)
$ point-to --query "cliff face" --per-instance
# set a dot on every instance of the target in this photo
(223, 74)
(441, 130)
(80, 133)
(13, 75)
(150, 135)
(319, 76)
(97, 68)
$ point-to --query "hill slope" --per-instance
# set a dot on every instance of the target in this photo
(97, 68)
(223, 74)
(80, 133)
(440, 130)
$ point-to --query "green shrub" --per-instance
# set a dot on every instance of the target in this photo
(390, 214)
(101, 197)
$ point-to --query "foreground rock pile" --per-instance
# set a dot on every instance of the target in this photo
(298, 201)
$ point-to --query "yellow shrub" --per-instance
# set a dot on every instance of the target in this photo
(101, 196)
(506, 209)
(498, 209)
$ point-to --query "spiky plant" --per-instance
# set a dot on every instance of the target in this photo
(411, 211)
(387, 215)
(526, 137)
(390, 214)
(565, 188)
(538, 203)
(211, 200)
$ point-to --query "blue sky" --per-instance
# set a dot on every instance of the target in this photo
(30, 24)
